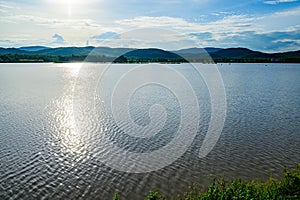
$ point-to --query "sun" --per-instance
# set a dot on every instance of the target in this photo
(69, 8)
(68, 5)
(71, 4)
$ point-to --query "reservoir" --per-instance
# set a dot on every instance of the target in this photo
(51, 135)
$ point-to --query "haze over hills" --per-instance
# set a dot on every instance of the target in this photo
(105, 54)
(33, 48)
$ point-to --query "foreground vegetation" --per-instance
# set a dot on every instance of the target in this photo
(287, 188)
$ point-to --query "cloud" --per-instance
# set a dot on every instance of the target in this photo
(145, 38)
(270, 32)
(274, 2)
(104, 39)
(287, 13)
(162, 21)
(52, 22)
(196, 34)
(6, 43)
(19, 40)
(7, 7)
(230, 31)
(106, 35)
(227, 24)
(258, 30)
(59, 40)
(268, 42)
(201, 35)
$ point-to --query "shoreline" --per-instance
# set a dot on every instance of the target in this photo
(285, 188)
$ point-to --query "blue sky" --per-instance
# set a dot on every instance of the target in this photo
(264, 25)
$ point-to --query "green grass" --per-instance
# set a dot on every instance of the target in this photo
(286, 188)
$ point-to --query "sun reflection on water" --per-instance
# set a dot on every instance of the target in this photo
(70, 141)
(71, 69)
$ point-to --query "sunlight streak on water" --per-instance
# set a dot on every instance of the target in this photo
(72, 68)
(69, 139)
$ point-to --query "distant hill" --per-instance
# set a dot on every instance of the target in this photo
(66, 51)
(151, 54)
(107, 51)
(105, 54)
(238, 53)
(247, 55)
(11, 51)
(197, 50)
(33, 48)
(290, 53)
(212, 49)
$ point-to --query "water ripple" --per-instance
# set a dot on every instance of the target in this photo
(43, 156)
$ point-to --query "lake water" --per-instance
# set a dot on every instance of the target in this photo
(44, 154)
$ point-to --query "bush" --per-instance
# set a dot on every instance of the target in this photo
(287, 188)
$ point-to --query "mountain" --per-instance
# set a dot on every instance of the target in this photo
(290, 53)
(33, 48)
(197, 50)
(152, 54)
(239, 53)
(65, 51)
(107, 51)
(212, 49)
(113, 52)
(106, 54)
(247, 55)
(11, 51)
(214, 54)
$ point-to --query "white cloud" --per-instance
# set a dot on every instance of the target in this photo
(227, 26)
(37, 27)
(287, 13)
(231, 30)
(147, 38)
(59, 40)
(163, 21)
(274, 2)
(52, 22)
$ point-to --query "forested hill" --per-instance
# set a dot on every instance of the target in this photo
(123, 55)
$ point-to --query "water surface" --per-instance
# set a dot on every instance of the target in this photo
(42, 154)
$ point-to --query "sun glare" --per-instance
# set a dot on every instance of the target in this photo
(69, 8)
(67, 5)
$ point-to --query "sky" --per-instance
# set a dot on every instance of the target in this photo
(262, 25)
